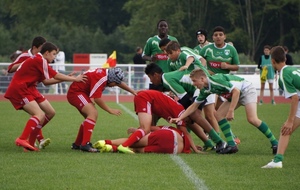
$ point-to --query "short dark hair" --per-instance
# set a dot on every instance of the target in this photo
(267, 47)
(153, 68)
(219, 29)
(278, 54)
(161, 20)
(164, 42)
(48, 46)
(38, 41)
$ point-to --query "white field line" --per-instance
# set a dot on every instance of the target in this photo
(189, 173)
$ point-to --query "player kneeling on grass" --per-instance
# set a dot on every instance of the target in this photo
(289, 82)
(23, 94)
(80, 95)
(238, 92)
(162, 139)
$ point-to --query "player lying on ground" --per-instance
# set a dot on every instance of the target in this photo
(162, 139)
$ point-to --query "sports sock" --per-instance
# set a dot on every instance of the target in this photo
(108, 142)
(88, 127)
(79, 135)
(208, 143)
(278, 158)
(268, 133)
(33, 134)
(115, 148)
(214, 136)
(226, 129)
(40, 136)
(30, 125)
(134, 137)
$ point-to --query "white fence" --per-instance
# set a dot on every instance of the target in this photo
(134, 77)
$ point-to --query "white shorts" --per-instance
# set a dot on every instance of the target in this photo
(248, 95)
(211, 99)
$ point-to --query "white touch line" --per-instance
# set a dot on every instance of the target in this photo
(189, 173)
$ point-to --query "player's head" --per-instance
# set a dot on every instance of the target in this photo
(162, 27)
(219, 36)
(154, 72)
(48, 47)
(163, 43)
(49, 51)
(173, 50)
(115, 75)
(201, 33)
(198, 77)
(278, 54)
(37, 42)
(267, 49)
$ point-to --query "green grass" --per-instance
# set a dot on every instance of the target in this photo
(59, 167)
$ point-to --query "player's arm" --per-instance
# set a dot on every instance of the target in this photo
(191, 109)
(124, 86)
(230, 67)
(103, 106)
(188, 62)
(234, 101)
(287, 127)
(188, 135)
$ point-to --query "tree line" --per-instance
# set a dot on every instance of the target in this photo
(91, 26)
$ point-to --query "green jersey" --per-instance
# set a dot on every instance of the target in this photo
(222, 85)
(289, 81)
(152, 49)
(215, 56)
(198, 48)
(179, 82)
(181, 60)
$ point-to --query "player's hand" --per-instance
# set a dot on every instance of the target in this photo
(174, 120)
(115, 112)
(230, 116)
(287, 128)
(224, 65)
(81, 78)
(153, 58)
(183, 68)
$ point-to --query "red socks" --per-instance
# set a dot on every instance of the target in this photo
(79, 135)
(88, 127)
(31, 124)
(134, 137)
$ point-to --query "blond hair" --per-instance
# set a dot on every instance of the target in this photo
(197, 73)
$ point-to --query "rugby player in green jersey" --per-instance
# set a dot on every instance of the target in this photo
(181, 85)
(238, 92)
(289, 82)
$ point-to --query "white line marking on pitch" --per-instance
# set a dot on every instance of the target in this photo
(189, 173)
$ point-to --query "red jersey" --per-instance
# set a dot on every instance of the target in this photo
(33, 70)
(155, 102)
(95, 84)
(21, 58)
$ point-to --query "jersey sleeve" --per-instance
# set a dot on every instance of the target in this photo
(147, 47)
(173, 85)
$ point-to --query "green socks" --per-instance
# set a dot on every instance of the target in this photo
(278, 158)
(268, 133)
(225, 128)
(214, 136)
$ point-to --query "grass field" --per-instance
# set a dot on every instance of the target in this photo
(59, 167)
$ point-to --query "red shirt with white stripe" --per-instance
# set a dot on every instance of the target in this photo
(21, 58)
(95, 84)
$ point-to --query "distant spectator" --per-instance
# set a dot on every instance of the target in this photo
(60, 59)
(289, 59)
(138, 71)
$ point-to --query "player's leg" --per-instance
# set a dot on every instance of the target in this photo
(261, 95)
(201, 121)
(49, 114)
(226, 128)
(251, 112)
(91, 114)
(282, 146)
(32, 126)
(271, 87)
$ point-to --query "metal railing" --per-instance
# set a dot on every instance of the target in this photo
(134, 77)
